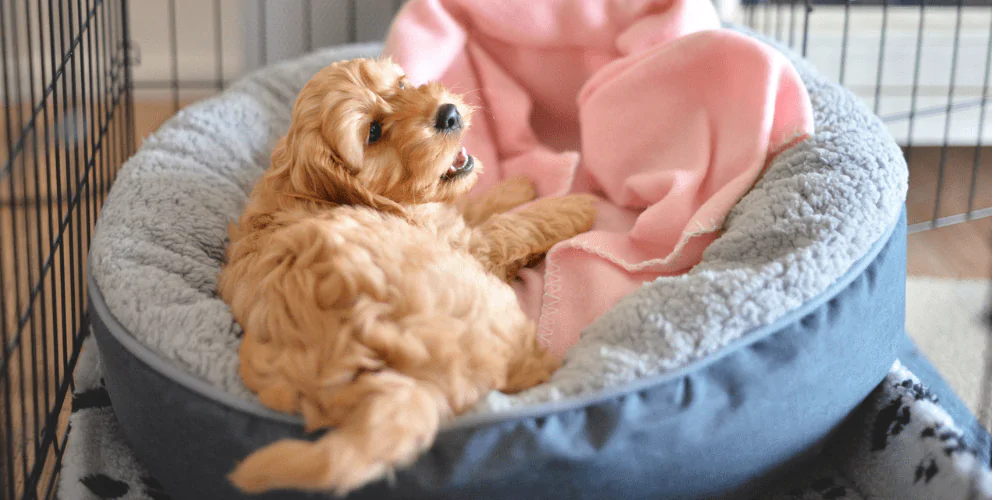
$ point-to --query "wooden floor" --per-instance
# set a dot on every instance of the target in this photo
(958, 251)
(961, 251)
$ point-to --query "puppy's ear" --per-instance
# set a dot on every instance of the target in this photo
(314, 171)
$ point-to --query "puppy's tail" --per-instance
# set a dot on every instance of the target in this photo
(394, 419)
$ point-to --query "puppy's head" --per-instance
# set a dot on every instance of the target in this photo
(362, 135)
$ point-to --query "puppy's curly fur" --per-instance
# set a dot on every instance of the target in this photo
(372, 292)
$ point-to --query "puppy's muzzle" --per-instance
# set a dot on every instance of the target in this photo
(448, 119)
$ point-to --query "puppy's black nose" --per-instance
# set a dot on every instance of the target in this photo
(448, 118)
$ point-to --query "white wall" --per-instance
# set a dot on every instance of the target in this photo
(196, 28)
(290, 27)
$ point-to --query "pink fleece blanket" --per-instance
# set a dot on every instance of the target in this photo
(649, 104)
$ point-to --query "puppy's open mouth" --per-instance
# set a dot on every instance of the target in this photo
(462, 165)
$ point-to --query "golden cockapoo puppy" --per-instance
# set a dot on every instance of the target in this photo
(373, 295)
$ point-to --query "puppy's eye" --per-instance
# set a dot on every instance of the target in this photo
(402, 85)
(374, 132)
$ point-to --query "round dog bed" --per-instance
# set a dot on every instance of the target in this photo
(705, 384)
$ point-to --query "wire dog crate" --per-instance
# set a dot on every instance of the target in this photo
(67, 126)
(923, 66)
(83, 79)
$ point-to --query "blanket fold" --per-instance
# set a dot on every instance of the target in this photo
(649, 104)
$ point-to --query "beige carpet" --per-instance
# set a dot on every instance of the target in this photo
(944, 317)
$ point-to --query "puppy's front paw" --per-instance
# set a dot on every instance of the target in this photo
(509, 194)
(580, 209)
(517, 190)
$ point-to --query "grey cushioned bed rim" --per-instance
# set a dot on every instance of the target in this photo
(203, 389)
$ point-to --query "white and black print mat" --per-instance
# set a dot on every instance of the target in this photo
(902, 444)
